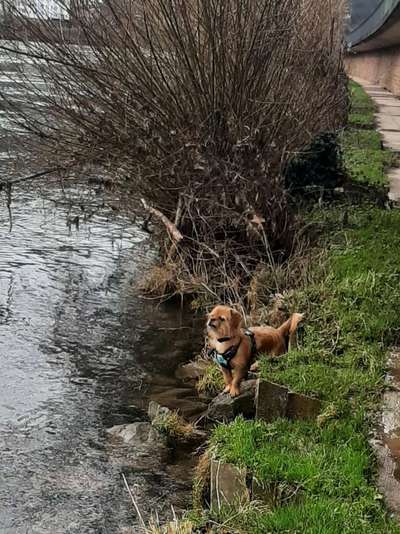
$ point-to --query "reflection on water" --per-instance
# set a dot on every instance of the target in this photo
(77, 347)
(78, 350)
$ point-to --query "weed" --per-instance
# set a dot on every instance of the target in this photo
(212, 382)
(173, 425)
(201, 482)
(174, 527)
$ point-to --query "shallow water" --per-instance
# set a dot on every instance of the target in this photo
(80, 351)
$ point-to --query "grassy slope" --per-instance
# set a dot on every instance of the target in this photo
(352, 308)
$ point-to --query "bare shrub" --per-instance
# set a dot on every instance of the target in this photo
(195, 106)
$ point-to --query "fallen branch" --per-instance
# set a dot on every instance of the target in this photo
(171, 227)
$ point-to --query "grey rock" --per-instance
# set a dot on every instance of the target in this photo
(137, 445)
(274, 401)
(141, 433)
(188, 409)
(228, 485)
(303, 407)
(192, 371)
(156, 410)
(271, 401)
(162, 397)
(226, 408)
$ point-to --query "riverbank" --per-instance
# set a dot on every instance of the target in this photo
(326, 469)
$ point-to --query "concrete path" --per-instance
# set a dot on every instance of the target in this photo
(388, 122)
(386, 443)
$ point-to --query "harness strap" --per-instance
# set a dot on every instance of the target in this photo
(224, 359)
(252, 337)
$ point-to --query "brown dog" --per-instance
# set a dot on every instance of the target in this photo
(234, 348)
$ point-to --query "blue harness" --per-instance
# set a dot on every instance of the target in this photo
(224, 359)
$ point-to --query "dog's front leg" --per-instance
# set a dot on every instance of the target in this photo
(240, 374)
(227, 379)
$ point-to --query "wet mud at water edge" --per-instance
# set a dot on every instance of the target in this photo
(81, 351)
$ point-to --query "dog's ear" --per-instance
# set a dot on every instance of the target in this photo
(236, 319)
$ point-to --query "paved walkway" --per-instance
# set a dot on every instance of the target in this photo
(387, 441)
(388, 122)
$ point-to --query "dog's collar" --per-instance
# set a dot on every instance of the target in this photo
(223, 339)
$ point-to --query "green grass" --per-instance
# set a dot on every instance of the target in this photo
(326, 470)
(351, 309)
(364, 159)
(317, 515)
(365, 118)
(361, 139)
(352, 302)
(359, 98)
(362, 107)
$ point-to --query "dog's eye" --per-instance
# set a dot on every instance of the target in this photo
(222, 318)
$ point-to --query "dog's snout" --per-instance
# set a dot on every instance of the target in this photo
(210, 322)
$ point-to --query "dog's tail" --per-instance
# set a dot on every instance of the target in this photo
(289, 328)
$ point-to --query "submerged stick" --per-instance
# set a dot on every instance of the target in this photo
(134, 502)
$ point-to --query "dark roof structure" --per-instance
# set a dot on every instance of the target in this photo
(374, 24)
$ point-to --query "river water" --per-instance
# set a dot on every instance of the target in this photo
(80, 351)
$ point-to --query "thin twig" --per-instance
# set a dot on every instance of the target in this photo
(134, 501)
(32, 176)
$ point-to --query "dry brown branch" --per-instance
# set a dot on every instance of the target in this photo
(171, 227)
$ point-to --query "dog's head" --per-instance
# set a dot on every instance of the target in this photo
(223, 322)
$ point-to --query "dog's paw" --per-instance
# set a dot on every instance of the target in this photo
(227, 389)
(255, 367)
(235, 392)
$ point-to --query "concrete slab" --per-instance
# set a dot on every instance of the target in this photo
(391, 110)
(371, 87)
(388, 122)
(394, 180)
(391, 139)
(379, 94)
(386, 101)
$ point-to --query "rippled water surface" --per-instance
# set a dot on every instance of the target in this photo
(79, 352)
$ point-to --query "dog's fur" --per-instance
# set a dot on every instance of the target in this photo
(225, 322)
